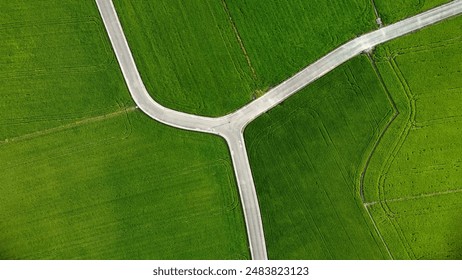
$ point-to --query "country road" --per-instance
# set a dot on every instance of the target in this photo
(231, 126)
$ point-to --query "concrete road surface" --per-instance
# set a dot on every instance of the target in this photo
(231, 126)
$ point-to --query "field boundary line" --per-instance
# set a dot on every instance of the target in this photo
(415, 197)
(374, 148)
(64, 127)
(239, 39)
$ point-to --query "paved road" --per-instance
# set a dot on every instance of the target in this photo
(340, 55)
(231, 126)
(220, 126)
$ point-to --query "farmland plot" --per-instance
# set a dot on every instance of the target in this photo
(281, 37)
(84, 174)
(122, 187)
(307, 155)
(57, 66)
(188, 54)
(393, 10)
(414, 177)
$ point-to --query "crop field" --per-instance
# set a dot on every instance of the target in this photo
(413, 183)
(308, 185)
(56, 66)
(119, 187)
(84, 174)
(212, 57)
(394, 10)
(282, 37)
(188, 54)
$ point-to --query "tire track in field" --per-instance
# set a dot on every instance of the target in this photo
(388, 162)
(67, 126)
(414, 197)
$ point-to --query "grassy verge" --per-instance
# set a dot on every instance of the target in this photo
(307, 155)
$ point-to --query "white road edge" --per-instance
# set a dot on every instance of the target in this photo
(231, 127)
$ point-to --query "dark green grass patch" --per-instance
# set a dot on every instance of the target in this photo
(121, 188)
(188, 54)
(282, 37)
(307, 155)
(393, 10)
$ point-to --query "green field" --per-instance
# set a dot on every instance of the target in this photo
(121, 187)
(413, 183)
(282, 37)
(84, 174)
(56, 66)
(393, 10)
(188, 54)
(307, 155)
(212, 57)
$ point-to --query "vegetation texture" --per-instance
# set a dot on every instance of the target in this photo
(413, 183)
(281, 37)
(120, 188)
(84, 174)
(57, 66)
(393, 10)
(188, 54)
(211, 57)
(307, 187)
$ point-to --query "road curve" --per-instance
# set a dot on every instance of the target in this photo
(219, 126)
(231, 127)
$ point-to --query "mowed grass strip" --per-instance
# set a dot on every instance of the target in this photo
(188, 54)
(307, 155)
(394, 10)
(413, 180)
(121, 188)
(57, 66)
(281, 37)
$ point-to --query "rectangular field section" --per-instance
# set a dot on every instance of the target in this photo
(123, 187)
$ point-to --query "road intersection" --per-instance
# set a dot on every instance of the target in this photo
(231, 127)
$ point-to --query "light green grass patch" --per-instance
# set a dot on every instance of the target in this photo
(57, 66)
(121, 188)
(422, 228)
(416, 167)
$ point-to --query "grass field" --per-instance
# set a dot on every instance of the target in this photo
(84, 175)
(282, 37)
(188, 54)
(413, 183)
(56, 66)
(122, 187)
(307, 155)
(212, 57)
(393, 10)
